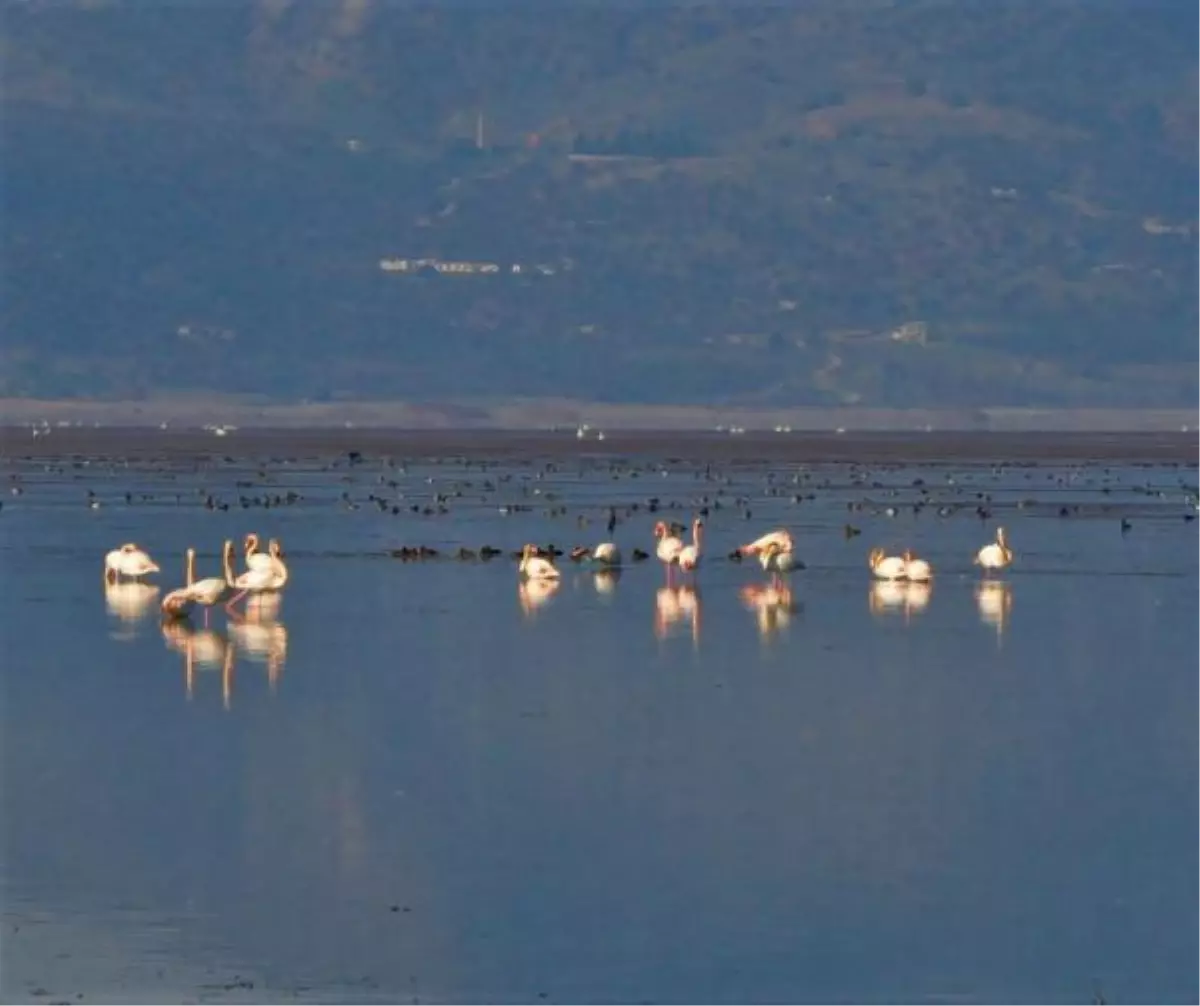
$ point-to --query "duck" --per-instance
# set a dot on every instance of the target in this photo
(534, 567)
(887, 567)
(128, 561)
(916, 570)
(996, 555)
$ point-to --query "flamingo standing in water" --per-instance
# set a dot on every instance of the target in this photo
(179, 602)
(534, 567)
(997, 555)
(781, 538)
(689, 555)
(128, 561)
(776, 561)
(916, 570)
(668, 548)
(213, 589)
(887, 567)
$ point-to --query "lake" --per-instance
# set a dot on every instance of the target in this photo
(415, 781)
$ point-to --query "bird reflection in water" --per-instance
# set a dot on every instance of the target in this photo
(675, 605)
(260, 636)
(202, 649)
(129, 603)
(533, 594)
(994, 599)
(772, 605)
(893, 597)
(605, 582)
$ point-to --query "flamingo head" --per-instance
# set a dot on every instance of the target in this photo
(660, 529)
(275, 548)
(875, 556)
(250, 542)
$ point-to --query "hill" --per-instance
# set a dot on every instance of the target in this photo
(872, 203)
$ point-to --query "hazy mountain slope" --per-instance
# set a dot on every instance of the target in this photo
(200, 196)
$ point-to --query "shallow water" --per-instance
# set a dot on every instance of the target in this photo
(415, 782)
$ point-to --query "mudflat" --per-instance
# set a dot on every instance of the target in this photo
(752, 447)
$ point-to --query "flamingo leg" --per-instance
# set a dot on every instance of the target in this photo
(234, 600)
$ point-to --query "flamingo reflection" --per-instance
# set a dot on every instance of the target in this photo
(535, 593)
(260, 637)
(772, 606)
(994, 600)
(899, 597)
(673, 605)
(202, 649)
(605, 581)
(129, 602)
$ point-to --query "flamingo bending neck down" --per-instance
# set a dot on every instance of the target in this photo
(534, 567)
(781, 538)
(776, 561)
(128, 561)
(689, 555)
(916, 570)
(887, 567)
(179, 602)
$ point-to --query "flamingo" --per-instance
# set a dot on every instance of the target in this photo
(668, 548)
(213, 589)
(179, 602)
(689, 555)
(996, 555)
(782, 538)
(890, 567)
(254, 558)
(128, 561)
(916, 570)
(775, 560)
(275, 552)
(258, 576)
(606, 554)
(534, 567)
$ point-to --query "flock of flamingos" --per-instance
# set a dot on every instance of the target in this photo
(266, 573)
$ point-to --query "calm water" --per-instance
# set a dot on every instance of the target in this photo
(415, 783)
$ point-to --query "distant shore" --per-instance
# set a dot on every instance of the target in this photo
(197, 411)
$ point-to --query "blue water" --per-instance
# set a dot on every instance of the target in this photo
(415, 783)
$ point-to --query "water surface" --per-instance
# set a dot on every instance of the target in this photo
(416, 782)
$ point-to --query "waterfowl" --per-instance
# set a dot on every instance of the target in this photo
(689, 555)
(128, 561)
(179, 602)
(886, 567)
(606, 554)
(213, 589)
(669, 546)
(781, 538)
(996, 555)
(916, 570)
(534, 567)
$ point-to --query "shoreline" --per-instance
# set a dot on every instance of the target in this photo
(545, 414)
(151, 444)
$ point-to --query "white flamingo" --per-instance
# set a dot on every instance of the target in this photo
(212, 590)
(776, 561)
(128, 561)
(534, 567)
(668, 548)
(257, 578)
(606, 554)
(179, 602)
(996, 555)
(689, 555)
(254, 558)
(887, 567)
(278, 566)
(781, 538)
(916, 570)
